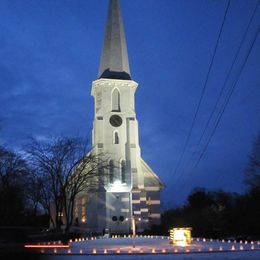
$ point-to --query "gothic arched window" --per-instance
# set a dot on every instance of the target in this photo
(115, 100)
(116, 138)
(111, 171)
(123, 171)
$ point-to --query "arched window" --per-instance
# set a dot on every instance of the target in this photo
(111, 171)
(116, 138)
(115, 100)
(123, 171)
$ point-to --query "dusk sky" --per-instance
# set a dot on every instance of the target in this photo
(50, 53)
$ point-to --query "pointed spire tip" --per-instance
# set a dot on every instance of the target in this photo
(114, 58)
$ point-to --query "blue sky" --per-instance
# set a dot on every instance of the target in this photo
(50, 53)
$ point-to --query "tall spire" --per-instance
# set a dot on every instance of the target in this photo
(114, 58)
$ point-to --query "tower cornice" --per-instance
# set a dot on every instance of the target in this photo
(113, 82)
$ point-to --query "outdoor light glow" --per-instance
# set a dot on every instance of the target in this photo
(83, 219)
(47, 246)
(180, 236)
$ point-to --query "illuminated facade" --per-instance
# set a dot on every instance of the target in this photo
(131, 188)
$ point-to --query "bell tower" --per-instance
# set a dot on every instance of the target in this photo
(131, 188)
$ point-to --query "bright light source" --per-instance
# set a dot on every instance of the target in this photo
(180, 236)
(117, 183)
(117, 186)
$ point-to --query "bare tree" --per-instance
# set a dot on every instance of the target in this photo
(64, 171)
(253, 169)
(12, 167)
(35, 188)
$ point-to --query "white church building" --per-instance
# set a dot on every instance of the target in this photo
(132, 189)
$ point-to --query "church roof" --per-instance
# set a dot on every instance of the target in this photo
(150, 178)
(114, 58)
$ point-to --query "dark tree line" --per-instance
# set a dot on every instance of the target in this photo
(43, 182)
(13, 174)
(222, 214)
(218, 214)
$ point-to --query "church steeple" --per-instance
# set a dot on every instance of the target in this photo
(114, 58)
